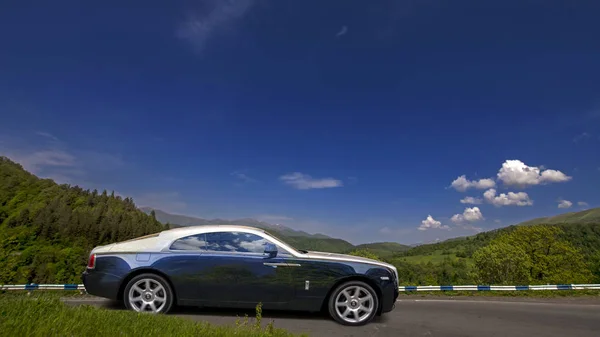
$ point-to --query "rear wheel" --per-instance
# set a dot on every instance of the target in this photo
(148, 293)
(353, 303)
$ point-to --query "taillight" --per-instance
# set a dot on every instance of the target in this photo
(92, 262)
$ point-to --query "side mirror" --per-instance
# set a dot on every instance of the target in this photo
(270, 249)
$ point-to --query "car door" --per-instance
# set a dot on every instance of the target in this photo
(234, 270)
(182, 265)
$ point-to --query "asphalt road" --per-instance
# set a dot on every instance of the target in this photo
(430, 317)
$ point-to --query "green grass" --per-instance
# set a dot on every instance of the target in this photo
(45, 315)
(522, 293)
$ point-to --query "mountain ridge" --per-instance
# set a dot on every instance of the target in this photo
(581, 228)
(295, 237)
(186, 220)
(383, 249)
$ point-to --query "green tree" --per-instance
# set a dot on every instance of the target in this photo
(502, 263)
(47, 230)
(541, 250)
(365, 253)
(594, 265)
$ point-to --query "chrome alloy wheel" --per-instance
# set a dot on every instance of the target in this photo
(147, 295)
(354, 304)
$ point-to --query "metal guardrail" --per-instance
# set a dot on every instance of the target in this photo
(501, 288)
(42, 287)
(401, 288)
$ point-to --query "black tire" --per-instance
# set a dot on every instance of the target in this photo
(348, 286)
(168, 292)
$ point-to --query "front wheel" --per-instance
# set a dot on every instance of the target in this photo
(353, 303)
(148, 293)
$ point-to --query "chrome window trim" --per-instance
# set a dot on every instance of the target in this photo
(264, 235)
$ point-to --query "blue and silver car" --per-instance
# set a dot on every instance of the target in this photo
(237, 266)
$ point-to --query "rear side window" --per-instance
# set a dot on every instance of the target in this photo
(239, 242)
(192, 242)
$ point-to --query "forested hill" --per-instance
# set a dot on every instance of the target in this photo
(47, 230)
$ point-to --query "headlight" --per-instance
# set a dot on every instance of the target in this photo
(396, 278)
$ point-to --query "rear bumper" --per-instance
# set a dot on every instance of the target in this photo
(101, 284)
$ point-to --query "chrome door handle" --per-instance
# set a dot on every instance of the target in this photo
(281, 264)
(275, 264)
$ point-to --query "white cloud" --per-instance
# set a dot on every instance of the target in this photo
(516, 173)
(392, 233)
(462, 184)
(36, 161)
(582, 204)
(431, 223)
(47, 135)
(385, 230)
(510, 199)
(53, 159)
(471, 200)
(471, 228)
(166, 201)
(343, 31)
(243, 177)
(218, 14)
(581, 137)
(564, 203)
(469, 215)
(303, 181)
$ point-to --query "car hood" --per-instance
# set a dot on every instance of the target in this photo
(351, 258)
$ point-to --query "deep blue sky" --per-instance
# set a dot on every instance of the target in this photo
(371, 109)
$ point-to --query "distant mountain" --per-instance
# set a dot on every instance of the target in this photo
(184, 220)
(296, 238)
(583, 217)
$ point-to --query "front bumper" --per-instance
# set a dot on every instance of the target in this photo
(389, 296)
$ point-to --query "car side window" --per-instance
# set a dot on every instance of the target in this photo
(192, 242)
(239, 242)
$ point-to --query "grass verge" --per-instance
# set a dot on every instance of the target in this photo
(48, 316)
(43, 294)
